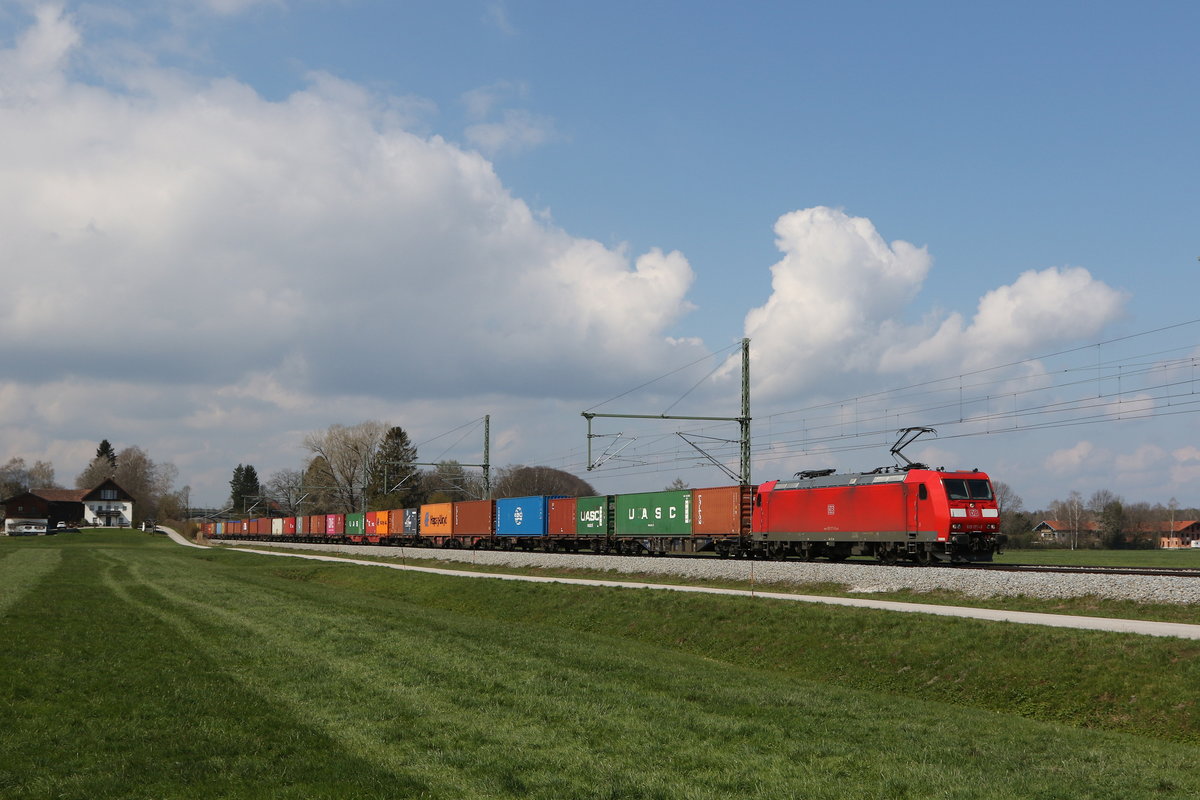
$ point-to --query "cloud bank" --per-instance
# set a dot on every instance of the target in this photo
(210, 274)
(840, 296)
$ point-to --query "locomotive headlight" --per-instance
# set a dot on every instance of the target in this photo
(956, 526)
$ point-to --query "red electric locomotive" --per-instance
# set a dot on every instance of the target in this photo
(908, 512)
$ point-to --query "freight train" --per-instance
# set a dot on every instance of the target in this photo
(911, 513)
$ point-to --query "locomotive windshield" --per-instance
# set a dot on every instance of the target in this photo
(967, 489)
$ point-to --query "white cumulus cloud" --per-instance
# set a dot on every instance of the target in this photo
(841, 295)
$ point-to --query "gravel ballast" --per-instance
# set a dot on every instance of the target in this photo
(858, 578)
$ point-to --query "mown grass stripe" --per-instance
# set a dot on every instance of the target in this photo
(138, 670)
(23, 570)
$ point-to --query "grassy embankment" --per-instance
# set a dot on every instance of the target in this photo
(1083, 606)
(133, 668)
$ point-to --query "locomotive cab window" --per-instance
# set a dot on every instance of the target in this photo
(967, 489)
(922, 492)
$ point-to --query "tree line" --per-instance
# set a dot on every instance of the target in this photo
(150, 483)
(1102, 520)
(374, 466)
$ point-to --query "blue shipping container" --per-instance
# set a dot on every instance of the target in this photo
(522, 516)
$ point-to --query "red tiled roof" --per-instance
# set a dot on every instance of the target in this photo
(60, 495)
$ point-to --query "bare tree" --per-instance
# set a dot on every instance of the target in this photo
(285, 487)
(1071, 511)
(16, 477)
(1007, 501)
(521, 481)
(449, 482)
(317, 488)
(348, 452)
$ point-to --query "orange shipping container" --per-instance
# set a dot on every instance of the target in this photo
(437, 519)
(381, 523)
(722, 511)
(474, 517)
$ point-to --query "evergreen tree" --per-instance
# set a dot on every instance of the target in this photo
(393, 480)
(106, 452)
(243, 487)
(102, 467)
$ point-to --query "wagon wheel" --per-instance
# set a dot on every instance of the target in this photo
(925, 557)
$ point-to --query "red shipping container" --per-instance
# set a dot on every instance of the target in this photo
(316, 525)
(560, 519)
(289, 526)
(722, 510)
(474, 517)
(371, 521)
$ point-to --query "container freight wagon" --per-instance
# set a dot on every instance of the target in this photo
(437, 523)
(722, 517)
(920, 515)
(335, 526)
(657, 522)
(403, 526)
(474, 521)
(560, 517)
(356, 528)
(523, 516)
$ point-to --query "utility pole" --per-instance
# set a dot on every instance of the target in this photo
(743, 421)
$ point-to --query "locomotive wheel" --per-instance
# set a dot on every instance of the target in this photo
(925, 557)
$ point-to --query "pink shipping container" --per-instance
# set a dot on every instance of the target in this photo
(560, 518)
(335, 524)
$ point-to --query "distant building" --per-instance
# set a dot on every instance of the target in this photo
(1180, 533)
(107, 505)
(1167, 535)
(1060, 530)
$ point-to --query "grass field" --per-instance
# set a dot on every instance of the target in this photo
(1181, 558)
(130, 667)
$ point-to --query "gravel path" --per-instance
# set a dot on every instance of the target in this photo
(860, 578)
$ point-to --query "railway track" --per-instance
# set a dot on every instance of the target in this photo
(1161, 572)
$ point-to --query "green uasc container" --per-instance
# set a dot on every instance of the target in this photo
(355, 524)
(654, 514)
(591, 516)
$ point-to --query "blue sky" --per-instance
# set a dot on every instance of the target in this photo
(565, 200)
